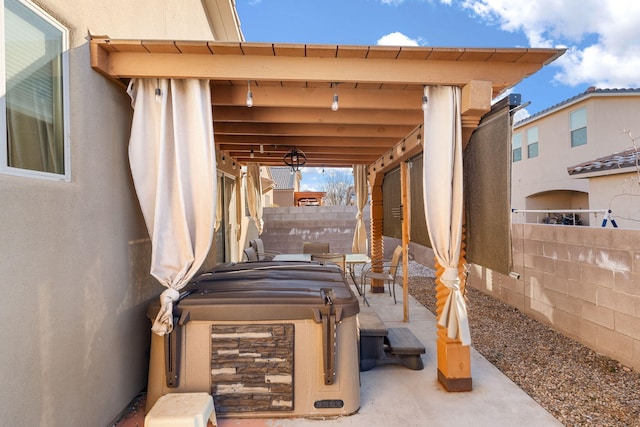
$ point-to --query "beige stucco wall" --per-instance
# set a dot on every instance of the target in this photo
(606, 116)
(74, 255)
(583, 281)
(621, 194)
(282, 198)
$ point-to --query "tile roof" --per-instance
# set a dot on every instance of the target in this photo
(623, 159)
(283, 177)
(587, 93)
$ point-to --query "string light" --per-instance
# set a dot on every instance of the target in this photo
(425, 100)
(334, 104)
(249, 95)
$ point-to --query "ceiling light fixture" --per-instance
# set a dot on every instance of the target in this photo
(251, 154)
(249, 95)
(295, 159)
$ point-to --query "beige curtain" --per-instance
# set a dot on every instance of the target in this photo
(172, 158)
(359, 245)
(254, 194)
(219, 205)
(443, 203)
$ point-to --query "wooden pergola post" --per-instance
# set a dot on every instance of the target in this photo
(377, 241)
(406, 236)
(454, 359)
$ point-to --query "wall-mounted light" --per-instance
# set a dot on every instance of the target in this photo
(295, 159)
(249, 95)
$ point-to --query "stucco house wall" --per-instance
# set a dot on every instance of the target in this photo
(75, 255)
(621, 194)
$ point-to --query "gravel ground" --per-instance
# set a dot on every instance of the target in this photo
(575, 384)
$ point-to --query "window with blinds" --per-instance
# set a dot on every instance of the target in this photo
(34, 118)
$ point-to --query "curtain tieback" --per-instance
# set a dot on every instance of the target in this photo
(359, 215)
(164, 320)
(450, 278)
(454, 312)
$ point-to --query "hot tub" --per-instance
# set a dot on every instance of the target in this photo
(265, 339)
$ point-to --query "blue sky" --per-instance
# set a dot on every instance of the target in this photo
(602, 37)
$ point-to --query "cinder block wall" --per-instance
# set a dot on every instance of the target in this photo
(286, 228)
(583, 281)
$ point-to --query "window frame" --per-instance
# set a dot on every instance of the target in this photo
(66, 144)
(516, 147)
(573, 129)
(532, 142)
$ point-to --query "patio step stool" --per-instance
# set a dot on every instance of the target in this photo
(404, 345)
(182, 410)
(382, 346)
(372, 334)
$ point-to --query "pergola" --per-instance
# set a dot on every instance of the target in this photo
(378, 123)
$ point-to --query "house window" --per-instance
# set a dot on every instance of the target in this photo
(34, 93)
(579, 127)
(516, 150)
(532, 142)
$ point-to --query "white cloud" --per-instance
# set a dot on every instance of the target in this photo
(397, 39)
(392, 2)
(520, 115)
(603, 35)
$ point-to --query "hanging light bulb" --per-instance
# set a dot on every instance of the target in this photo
(425, 100)
(251, 154)
(334, 104)
(249, 95)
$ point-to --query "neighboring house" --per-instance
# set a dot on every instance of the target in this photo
(614, 182)
(586, 127)
(286, 184)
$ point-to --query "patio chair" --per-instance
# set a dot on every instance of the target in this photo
(338, 259)
(315, 247)
(263, 255)
(387, 275)
(250, 254)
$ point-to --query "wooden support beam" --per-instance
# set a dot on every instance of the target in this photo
(406, 238)
(377, 241)
(475, 102)
(230, 66)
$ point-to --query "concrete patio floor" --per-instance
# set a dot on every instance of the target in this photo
(392, 395)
